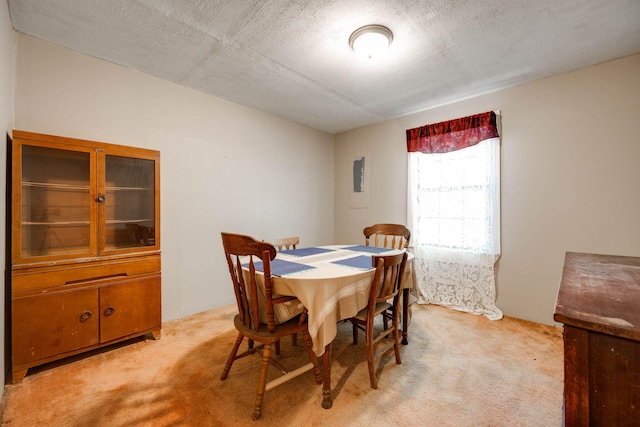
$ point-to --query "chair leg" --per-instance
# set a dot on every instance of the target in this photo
(396, 338)
(262, 382)
(369, 350)
(355, 332)
(406, 310)
(232, 356)
(312, 356)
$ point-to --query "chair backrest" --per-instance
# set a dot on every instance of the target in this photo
(387, 279)
(394, 236)
(286, 243)
(242, 253)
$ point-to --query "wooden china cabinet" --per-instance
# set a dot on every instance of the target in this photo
(85, 247)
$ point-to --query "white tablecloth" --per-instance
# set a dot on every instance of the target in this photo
(330, 292)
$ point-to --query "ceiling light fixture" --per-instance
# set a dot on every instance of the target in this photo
(370, 40)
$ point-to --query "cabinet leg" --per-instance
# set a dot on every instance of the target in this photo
(18, 375)
(156, 334)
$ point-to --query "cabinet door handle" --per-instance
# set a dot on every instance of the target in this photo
(101, 198)
(109, 311)
(85, 316)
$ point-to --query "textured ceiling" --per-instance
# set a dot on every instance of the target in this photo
(292, 58)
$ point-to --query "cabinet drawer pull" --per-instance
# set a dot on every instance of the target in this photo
(85, 316)
(109, 311)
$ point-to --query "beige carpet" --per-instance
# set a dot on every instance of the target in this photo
(458, 370)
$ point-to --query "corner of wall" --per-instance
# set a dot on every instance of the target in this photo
(8, 55)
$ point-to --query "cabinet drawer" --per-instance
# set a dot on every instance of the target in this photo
(55, 276)
(51, 324)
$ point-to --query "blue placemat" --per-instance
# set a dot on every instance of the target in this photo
(372, 249)
(306, 251)
(362, 262)
(280, 267)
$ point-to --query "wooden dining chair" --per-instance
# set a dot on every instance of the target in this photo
(393, 236)
(257, 321)
(385, 287)
(286, 243)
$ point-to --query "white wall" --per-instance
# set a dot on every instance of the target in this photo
(7, 65)
(570, 176)
(224, 167)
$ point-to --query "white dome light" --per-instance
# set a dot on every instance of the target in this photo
(370, 40)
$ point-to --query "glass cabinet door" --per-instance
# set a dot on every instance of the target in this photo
(55, 212)
(129, 202)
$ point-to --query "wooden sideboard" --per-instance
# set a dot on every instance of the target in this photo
(599, 303)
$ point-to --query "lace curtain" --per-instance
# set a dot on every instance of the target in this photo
(454, 214)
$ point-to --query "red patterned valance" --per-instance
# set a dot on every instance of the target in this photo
(452, 135)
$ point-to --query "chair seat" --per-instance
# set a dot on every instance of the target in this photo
(380, 307)
(263, 334)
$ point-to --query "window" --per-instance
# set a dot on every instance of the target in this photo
(454, 198)
(454, 212)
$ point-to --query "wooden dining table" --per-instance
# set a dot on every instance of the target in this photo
(333, 283)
